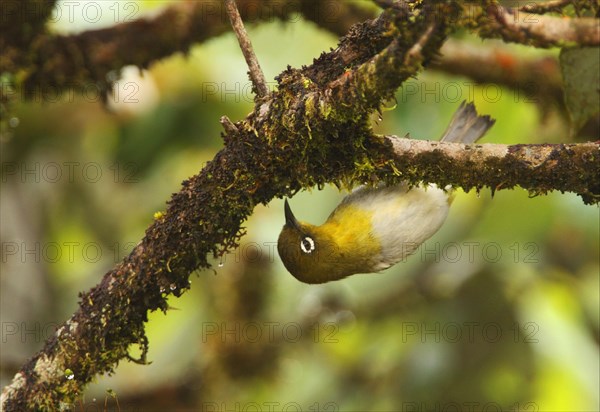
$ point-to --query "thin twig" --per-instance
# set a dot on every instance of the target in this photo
(228, 125)
(414, 54)
(256, 74)
(548, 6)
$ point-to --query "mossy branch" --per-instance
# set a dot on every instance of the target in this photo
(51, 63)
(521, 26)
(296, 138)
(265, 156)
(538, 168)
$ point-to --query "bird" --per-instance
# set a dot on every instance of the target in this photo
(374, 227)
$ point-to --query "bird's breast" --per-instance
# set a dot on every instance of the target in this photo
(351, 235)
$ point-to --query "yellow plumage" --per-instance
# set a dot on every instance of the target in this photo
(373, 228)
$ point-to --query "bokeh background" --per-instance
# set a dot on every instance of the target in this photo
(498, 311)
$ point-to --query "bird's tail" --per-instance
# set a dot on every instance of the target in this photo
(466, 125)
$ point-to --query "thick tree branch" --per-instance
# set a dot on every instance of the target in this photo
(539, 168)
(56, 62)
(49, 60)
(361, 88)
(539, 30)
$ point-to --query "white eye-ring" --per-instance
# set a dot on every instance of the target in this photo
(307, 244)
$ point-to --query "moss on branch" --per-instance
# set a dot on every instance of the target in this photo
(538, 168)
(492, 20)
(49, 63)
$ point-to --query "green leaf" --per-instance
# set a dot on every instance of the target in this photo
(581, 74)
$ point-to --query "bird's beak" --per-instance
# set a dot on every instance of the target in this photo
(290, 219)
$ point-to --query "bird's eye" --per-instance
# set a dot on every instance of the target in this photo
(307, 244)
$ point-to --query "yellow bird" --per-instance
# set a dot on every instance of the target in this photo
(373, 228)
